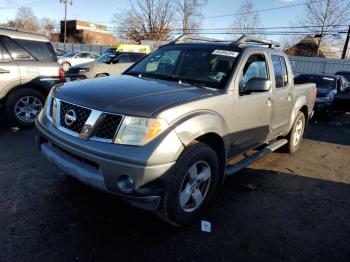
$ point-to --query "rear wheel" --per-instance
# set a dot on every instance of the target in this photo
(295, 136)
(192, 185)
(23, 106)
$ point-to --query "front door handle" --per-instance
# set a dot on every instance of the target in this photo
(289, 98)
(269, 101)
(3, 71)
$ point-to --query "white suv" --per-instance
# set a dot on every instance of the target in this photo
(28, 70)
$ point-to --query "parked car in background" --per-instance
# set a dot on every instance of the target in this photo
(75, 58)
(28, 70)
(59, 53)
(345, 74)
(121, 48)
(104, 65)
(163, 133)
(328, 87)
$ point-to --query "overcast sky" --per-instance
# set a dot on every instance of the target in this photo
(102, 11)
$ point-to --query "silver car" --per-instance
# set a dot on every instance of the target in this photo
(28, 70)
(105, 65)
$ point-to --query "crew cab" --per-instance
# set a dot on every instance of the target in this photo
(162, 134)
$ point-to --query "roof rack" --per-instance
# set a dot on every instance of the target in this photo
(246, 39)
(185, 37)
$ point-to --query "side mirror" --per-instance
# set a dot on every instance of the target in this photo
(257, 85)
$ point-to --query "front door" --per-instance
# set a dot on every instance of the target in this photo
(250, 125)
(282, 95)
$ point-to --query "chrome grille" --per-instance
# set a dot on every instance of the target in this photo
(109, 126)
(82, 114)
(87, 123)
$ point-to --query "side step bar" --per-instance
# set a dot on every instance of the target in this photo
(232, 169)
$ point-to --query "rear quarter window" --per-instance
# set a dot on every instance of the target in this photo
(43, 51)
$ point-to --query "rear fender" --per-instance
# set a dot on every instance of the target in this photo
(299, 103)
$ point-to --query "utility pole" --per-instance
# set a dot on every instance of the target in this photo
(346, 46)
(66, 2)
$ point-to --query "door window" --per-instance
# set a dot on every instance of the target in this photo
(123, 58)
(255, 67)
(4, 55)
(135, 57)
(280, 69)
(83, 55)
(17, 52)
(43, 51)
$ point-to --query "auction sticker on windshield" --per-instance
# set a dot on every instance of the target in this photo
(225, 53)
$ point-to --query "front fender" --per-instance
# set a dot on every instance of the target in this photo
(199, 123)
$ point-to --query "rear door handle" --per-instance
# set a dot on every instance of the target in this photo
(269, 101)
(3, 71)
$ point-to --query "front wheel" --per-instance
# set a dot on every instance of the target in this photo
(192, 185)
(295, 136)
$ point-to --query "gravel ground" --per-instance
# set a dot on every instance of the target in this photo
(282, 208)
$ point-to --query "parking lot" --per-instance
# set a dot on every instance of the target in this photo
(282, 208)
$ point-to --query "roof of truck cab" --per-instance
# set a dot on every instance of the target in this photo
(17, 34)
(227, 44)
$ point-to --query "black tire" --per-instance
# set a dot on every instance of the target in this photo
(13, 99)
(101, 75)
(65, 66)
(291, 146)
(170, 208)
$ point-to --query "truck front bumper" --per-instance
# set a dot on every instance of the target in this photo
(81, 160)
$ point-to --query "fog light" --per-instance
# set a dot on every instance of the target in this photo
(126, 184)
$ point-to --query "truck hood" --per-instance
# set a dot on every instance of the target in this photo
(129, 95)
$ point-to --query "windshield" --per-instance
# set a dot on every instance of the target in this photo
(70, 54)
(207, 66)
(320, 81)
(106, 58)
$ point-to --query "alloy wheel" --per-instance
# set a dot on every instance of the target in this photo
(195, 186)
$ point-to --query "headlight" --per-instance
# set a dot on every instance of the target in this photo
(139, 131)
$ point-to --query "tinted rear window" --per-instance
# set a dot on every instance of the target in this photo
(43, 51)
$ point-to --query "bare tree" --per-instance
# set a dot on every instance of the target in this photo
(189, 13)
(146, 19)
(48, 26)
(247, 21)
(324, 18)
(25, 19)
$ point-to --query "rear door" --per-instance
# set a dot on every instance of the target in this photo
(282, 95)
(9, 72)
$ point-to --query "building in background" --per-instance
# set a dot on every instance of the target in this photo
(308, 47)
(87, 33)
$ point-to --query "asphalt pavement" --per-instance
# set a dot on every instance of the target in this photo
(282, 208)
